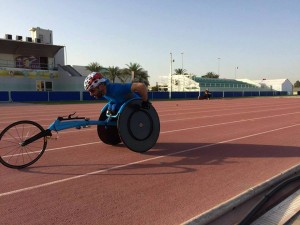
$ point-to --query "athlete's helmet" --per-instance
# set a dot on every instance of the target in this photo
(93, 80)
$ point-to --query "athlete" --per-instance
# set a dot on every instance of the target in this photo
(207, 94)
(116, 93)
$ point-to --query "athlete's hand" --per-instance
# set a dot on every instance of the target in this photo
(146, 104)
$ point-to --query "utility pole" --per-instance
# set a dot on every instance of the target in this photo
(171, 71)
(183, 78)
(236, 68)
(182, 61)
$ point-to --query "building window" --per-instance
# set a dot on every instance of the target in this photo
(43, 85)
(41, 37)
(48, 85)
(40, 85)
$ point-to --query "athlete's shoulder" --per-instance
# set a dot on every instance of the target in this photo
(124, 85)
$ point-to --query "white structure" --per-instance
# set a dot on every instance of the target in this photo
(41, 35)
(183, 83)
(277, 84)
(82, 70)
(250, 82)
(45, 36)
(31, 63)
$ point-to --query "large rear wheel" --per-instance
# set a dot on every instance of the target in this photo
(108, 134)
(138, 128)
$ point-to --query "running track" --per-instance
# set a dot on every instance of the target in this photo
(208, 152)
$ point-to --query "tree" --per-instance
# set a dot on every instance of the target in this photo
(154, 88)
(125, 75)
(113, 73)
(180, 71)
(210, 75)
(297, 84)
(140, 75)
(94, 67)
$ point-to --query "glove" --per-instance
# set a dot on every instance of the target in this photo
(109, 112)
(146, 104)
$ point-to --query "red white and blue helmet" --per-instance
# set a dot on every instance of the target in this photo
(93, 80)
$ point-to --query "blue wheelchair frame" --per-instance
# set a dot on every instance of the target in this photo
(62, 123)
(137, 128)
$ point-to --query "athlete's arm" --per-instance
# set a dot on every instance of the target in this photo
(141, 89)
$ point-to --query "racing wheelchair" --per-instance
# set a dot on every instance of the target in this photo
(23, 142)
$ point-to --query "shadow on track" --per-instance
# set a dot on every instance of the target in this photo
(173, 158)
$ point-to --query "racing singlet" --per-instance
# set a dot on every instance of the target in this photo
(119, 93)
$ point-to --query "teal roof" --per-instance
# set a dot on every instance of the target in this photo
(216, 82)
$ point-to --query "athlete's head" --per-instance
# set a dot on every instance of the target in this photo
(93, 80)
(95, 83)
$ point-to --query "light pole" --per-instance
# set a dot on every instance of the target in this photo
(171, 69)
(219, 66)
(182, 71)
(182, 61)
(236, 68)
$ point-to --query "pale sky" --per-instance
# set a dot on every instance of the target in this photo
(260, 37)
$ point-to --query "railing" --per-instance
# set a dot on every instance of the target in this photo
(227, 85)
(48, 96)
(26, 65)
(7, 63)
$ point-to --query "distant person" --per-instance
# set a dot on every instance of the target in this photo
(207, 94)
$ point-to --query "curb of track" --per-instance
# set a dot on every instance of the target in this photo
(225, 207)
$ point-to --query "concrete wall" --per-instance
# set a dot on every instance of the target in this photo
(59, 57)
(35, 96)
(12, 79)
(287, 86)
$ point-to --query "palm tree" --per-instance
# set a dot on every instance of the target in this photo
(210, 75)
(94, 67)
(125, 75)
(140, 75)
(113, 73)
(180, 71)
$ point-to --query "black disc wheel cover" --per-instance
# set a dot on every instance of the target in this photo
(108, 134)
(138, 128)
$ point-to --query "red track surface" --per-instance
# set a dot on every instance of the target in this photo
(207, 152)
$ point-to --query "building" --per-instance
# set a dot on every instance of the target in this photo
(186, 83)
(35, 52)
(277, 84)
(180, 83)
(35, 64)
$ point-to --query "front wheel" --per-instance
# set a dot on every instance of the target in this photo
(13, 153)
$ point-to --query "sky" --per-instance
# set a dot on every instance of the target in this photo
(252, 39)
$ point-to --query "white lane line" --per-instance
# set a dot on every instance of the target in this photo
(191, 111)
(54, 149)
(231, 122)
(229, 114)
(137, 162)
(171, 131)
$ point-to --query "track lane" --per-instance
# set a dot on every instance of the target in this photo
(202, 171)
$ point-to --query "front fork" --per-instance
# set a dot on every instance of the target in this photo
(44, 133)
